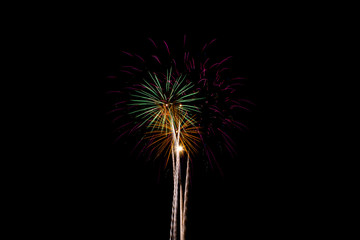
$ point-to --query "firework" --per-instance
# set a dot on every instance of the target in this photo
(156, 103)
(184, 108)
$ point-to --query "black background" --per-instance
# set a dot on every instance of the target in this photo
(99, 189)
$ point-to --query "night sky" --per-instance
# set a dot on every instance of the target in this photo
(107, 193)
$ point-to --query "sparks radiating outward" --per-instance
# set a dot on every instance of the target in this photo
(156, 104)
(181, 110)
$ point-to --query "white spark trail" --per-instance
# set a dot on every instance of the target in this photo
(185, 198)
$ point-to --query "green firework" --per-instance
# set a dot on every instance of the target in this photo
(160, 102)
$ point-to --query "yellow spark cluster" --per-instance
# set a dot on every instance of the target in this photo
(161, 133)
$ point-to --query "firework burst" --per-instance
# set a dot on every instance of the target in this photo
(157, 103)
(184, 107)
